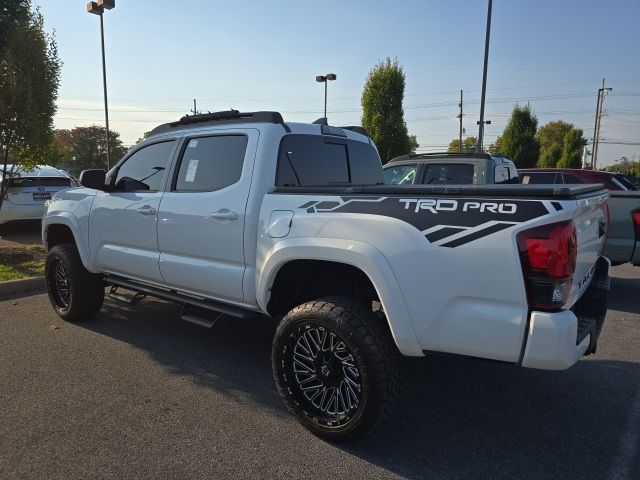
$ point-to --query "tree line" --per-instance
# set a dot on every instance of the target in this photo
(555, 144)
(30, 77)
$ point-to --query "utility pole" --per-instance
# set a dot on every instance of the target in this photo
(484, 77)
(602, 92)
(195, 110)
(460, 117)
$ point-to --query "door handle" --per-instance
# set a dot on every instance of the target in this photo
(147, 210)
(224, 214)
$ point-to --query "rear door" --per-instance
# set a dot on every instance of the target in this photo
(202, 215)
(123, 222)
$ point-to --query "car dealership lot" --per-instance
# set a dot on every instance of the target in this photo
(139, 393)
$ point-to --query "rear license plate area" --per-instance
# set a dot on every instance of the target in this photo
(40, 196)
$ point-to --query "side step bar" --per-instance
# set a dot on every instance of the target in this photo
(174, 296)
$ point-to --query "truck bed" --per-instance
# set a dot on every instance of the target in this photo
(513, 191)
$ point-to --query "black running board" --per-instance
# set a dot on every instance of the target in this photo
(175, 296)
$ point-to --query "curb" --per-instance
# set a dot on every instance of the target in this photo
(13, 287)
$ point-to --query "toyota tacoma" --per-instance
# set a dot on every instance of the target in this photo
(243, 214)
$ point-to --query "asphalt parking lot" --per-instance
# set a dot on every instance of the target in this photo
(141, 394)
(20, 232)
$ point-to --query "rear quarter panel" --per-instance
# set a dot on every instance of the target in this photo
(457, 269)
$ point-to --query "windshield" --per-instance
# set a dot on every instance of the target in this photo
(400, 175)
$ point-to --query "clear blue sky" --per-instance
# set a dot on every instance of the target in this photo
(254, 55)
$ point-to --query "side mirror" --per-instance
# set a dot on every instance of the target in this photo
(94, 178)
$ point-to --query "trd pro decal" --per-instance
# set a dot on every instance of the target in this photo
(445, 222)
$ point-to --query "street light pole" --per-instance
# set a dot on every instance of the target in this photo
(325, 79)
(602, 92)
(484, 77)
(104, 86)
(98, 9)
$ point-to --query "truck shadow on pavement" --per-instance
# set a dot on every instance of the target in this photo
(455, 419)
(626, 294)
(21, 231)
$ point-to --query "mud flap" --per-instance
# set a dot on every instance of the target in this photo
(591, 309)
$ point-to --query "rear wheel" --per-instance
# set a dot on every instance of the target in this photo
(75, 293)
(335, 366)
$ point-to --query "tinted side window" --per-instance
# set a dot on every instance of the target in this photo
(501, 174)
(307, 160)
(364, 162)
(145, 169)
(314, 160)
(539, 178)
(568, 178)
(211, 163)
(450, 173)
(400, 175)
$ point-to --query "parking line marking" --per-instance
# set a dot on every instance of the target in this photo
(629, 442)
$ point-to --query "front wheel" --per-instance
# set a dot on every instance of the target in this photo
(75, 293)
(335, 366)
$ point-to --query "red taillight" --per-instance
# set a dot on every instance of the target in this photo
(636, 223)
(548, 255)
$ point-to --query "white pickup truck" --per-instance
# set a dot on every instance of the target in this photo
(243, 214)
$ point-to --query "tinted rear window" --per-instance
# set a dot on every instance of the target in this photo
(538, 178)
(314, 160)
(40, 182)
(448, 173)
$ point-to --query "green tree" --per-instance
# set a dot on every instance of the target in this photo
(29, 80)
(413, 144)
(572, 146)
(496, 147)
(551, 140)
(468, 145)
(144, 136)
(518, 141)
(382, 112)
(86, 147)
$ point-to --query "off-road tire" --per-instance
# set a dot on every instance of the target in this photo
(367, 338)
(84, 293)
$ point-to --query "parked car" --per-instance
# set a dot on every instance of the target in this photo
(28, 190)
(610, 180)
(449, 169)
(623, 238)
(298, 226)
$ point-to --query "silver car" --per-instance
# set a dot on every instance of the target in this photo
(29, 190)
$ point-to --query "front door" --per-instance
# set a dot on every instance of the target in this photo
(202, 216)
(123, 235)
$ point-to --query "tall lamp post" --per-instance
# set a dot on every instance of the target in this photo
(482, 122)
(98, 8)
(602, 92)
(325, 79)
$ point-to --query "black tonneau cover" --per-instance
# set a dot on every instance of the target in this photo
(625, 194)
(504, 190)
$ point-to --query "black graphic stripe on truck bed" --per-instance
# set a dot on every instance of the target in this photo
(440, 218)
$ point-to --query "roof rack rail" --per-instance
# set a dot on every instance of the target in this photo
(215, 118)
(440, 154)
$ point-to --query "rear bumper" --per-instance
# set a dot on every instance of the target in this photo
(11, 211)
(557, 340)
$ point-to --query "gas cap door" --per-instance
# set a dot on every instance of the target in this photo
(280, 223)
